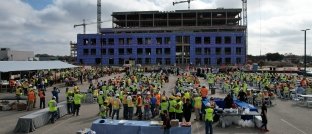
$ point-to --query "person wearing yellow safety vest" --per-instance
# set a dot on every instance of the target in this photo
(103, 110)
(116, 104)
(172, 105)
(53, 109)
(197, 106)
(130, 106)
(77, 102)
(70, 100)
(179, 109)
(164, 106)
(186, 96)
(125, 106)
(100, 99)
(208, 119)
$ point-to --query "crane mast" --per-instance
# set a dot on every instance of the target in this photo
(245, 22)
(98, 16)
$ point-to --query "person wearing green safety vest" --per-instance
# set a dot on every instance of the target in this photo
(53, 109)
(236, 90)
(179, 109)
(77, 102)
(103, 110)
(245, 86)
(164, 105)
(208, 119)
(100, 99)
(69, 99)
(197, 106)
(172, 105)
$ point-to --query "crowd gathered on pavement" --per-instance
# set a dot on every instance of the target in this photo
(139, 95)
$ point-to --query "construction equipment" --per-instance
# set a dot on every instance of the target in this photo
(84, 25)
(178, 2)
(244, 6)
(98, 16)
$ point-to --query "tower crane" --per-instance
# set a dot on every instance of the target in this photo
(98, 16)
(178, 2)
(84, 24)
(245, 22)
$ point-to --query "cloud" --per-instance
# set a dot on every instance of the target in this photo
(273, 26)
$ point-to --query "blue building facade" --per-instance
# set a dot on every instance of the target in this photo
(201, 45)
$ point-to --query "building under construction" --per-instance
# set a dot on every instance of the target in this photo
(199, 37)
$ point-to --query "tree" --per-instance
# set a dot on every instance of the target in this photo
(274, 57)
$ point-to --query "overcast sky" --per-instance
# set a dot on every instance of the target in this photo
(46, 26)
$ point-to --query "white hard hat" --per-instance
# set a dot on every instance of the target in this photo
(53, 97)
(139, 93)
(101, 92)
(117, 95)
(148, 92)
(207, 104)
(179, 94)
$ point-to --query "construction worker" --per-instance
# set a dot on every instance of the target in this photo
(158, 98)
(139, 102)
(125, 107)
(204, 92)
(164, 106)
(208, 119)
(187, 95)
(18, 93)
(130, 106)
(197, 106)
(53, 109)
(100, 99)
(31, 99)
(109, 100)
(35, 99)
(172, 105)
(41, 95)
(179, 109)
(77, 102)
(70, 100)
(103, 110)
(116, 105)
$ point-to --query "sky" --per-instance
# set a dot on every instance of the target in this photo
(46, 26)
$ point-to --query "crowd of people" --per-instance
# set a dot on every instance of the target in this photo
(140, 96)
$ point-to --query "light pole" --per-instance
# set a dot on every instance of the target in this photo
(305, 51)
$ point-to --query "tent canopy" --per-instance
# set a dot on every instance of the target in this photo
(12, 66)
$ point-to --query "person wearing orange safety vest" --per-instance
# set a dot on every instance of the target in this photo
(116, 105)
(158, 98)
(139, 106)
(31, 99)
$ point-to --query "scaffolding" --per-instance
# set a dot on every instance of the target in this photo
(73, 49)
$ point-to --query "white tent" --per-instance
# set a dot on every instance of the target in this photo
(12, 66)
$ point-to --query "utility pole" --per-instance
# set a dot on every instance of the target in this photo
(305, 51)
